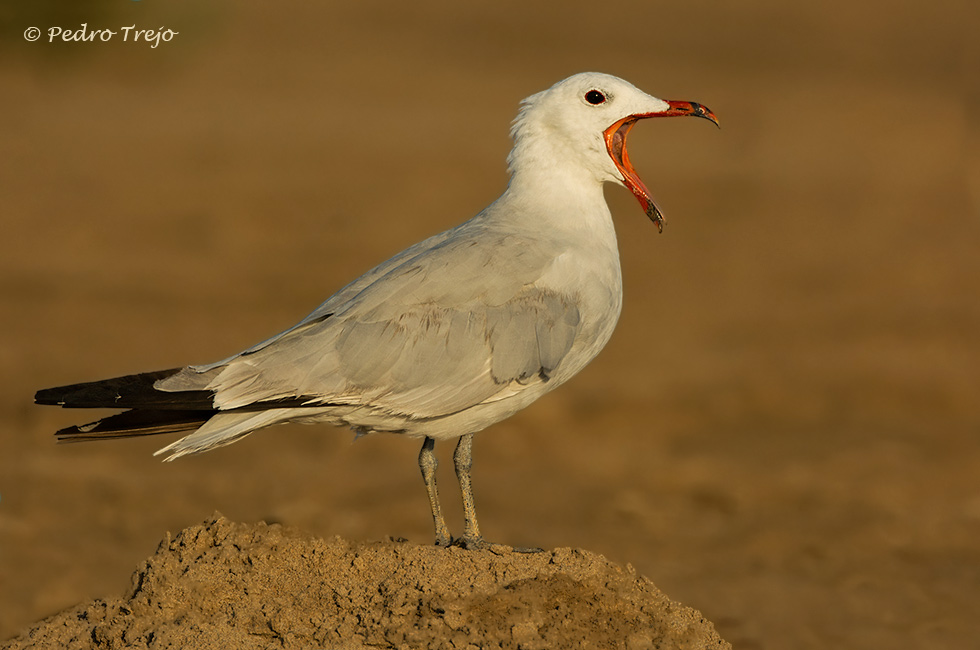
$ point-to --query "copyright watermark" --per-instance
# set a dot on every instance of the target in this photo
(85, 35)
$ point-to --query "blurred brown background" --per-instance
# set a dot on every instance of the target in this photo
(784, 430)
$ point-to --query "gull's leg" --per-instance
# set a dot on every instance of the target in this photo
(428, 464)
(463, 459)
(472, 539)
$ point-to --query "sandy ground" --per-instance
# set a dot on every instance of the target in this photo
(225, 585)
(782, 434)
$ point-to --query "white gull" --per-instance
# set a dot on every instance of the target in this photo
(449, 336)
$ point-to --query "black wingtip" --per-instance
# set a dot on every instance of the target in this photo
(130, 391)
(133, 423)
(50, 396)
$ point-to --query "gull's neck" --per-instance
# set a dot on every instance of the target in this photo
(558, 197)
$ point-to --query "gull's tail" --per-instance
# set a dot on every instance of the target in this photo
(151, 411)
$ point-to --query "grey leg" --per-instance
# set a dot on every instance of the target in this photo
(463, 459)
(428, 464)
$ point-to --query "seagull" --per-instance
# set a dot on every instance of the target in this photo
(449, 336)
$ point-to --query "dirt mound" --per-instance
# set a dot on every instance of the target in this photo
(230, 585)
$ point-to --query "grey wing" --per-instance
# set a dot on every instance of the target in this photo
(424, 363)
(435, 362)
(424, 340)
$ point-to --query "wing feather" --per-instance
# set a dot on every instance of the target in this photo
(423, 339)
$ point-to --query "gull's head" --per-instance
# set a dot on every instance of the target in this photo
(582, 123)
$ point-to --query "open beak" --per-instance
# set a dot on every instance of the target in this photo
(615, 137)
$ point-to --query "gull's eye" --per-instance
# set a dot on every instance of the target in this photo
(595, 97)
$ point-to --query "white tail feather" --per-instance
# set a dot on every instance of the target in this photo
(224, 429)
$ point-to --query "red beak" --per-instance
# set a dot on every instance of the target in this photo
(615, 137)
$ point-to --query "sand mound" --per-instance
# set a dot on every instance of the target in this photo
(229, 585)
